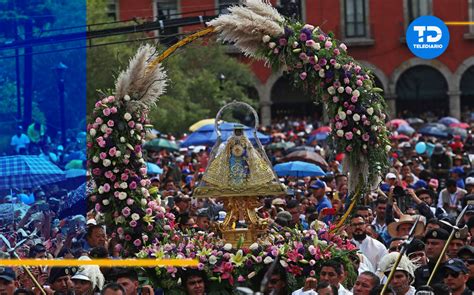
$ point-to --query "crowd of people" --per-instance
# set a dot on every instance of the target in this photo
(416, 206)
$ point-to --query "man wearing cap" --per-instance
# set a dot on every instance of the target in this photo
(8, 283)
(416, 252)
(319, 192)
(459, 240)
(456, 275)
(60, 279)
(450, 197)
(466, 253)
(403, 275)
(456, 174)
(391, 179)
(435, 240)
(469, 185)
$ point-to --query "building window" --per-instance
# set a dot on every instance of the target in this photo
(165, 10)
(112, 9)
(222, 5)
(417, 8)
(355, 18)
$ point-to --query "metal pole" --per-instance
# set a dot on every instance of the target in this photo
(61, 110)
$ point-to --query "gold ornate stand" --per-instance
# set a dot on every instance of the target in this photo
(242, 209)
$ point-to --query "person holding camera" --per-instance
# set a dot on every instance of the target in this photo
(450, 198)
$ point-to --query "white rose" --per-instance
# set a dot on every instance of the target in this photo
(331, 90)
(388, 148)
(284, 263)
(272, 45)
(337, 66)
(340, 133)
(342, 115)
(95, 159)
(135, 216)
(295, 44)
(212, 260)
(127, 116)
(103, 128)
(118, 153)
(340, 89)
(101, 189)
(356, 93)
(167, 227)
(105, 202)
(266, 39)
(268, 260)
(364, 146)
(92, 132)
(370, 111)
(228, 247)
(132, 132)
(356, 117)
(106, 162)
(143, 202)
(123, 185)
(321, 73)
(317, 46)
(358, 132)
(253, 247)
(122, 139)
(122, 196)
(126, 97)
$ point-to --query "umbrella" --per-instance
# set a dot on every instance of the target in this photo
(27, 172)
(153, 168)
(318, 137)
(301, 148)
(406, 129)
(298, 169)
(201, 123)
(414, 121)
(279, 134)
(159, 144)
(281, 145)
(322, 129)
(433, 129)
(448, 121)
(399, 137)
(307, 156)
(73, 173)
(206, 135)
(459, 125)
(396, 123)
(458, 131)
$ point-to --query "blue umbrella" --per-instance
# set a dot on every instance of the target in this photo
(28, 172)
(153, 168)
(448, 121)
(434, 130)
(321, 136)
(206, 135)
(77, 155)
(405, 129)
(298, 169)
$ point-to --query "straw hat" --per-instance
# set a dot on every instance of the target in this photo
(393, 227)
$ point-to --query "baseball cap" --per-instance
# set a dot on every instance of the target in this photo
(456, 265)
(457, 170)
(57, 272)
(437, 234)
(318, 184)
(390, 175)
(420, 184)
(7, 273)
(470, 180)
(467, 250)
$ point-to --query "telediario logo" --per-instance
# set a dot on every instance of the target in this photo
(427, 37)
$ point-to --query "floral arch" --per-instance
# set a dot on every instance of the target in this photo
(318, 63)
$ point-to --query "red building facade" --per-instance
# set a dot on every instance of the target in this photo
(374, 31)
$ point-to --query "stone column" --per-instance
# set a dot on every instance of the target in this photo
(455, 104)
(265, 112)
(390, 100)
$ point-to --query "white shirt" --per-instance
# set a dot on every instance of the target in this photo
(301, 292)
(19, 142)
(373, 249)
(343, 291)
(411, 291)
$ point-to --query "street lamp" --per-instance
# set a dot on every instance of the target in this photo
(60, 71)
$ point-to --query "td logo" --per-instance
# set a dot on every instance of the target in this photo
(427, 37)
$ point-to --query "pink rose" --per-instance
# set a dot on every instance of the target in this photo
(349, 148)
(276, 51)
(303, 75)
(335, 99)
(126, 212)
(102, 156)
(108, 174)
(99, 121)
(149, 227)
(347, 81)
(240, 279)
(348, 135)
(365, 137)
(336, 51)
(113, 110)
(112, 152)
(348, 90)
(148, 211)
(282, 42)
(332, 61)
(322, 38)
(133, 223)
(345, 123)
(359, 83)
(120, 231)
(328, 44)
(131, 124)
(96, 171)
(303, 37)
(97, 207)
(130, 202)
(354, 99)
(338, 125)
(106, 112)
(106, 187)
(137, 243)
(143, 170)
(128, 238)
(124, 177)
(316, 67)
(133, 185)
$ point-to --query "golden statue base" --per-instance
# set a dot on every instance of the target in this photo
(242, 209)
